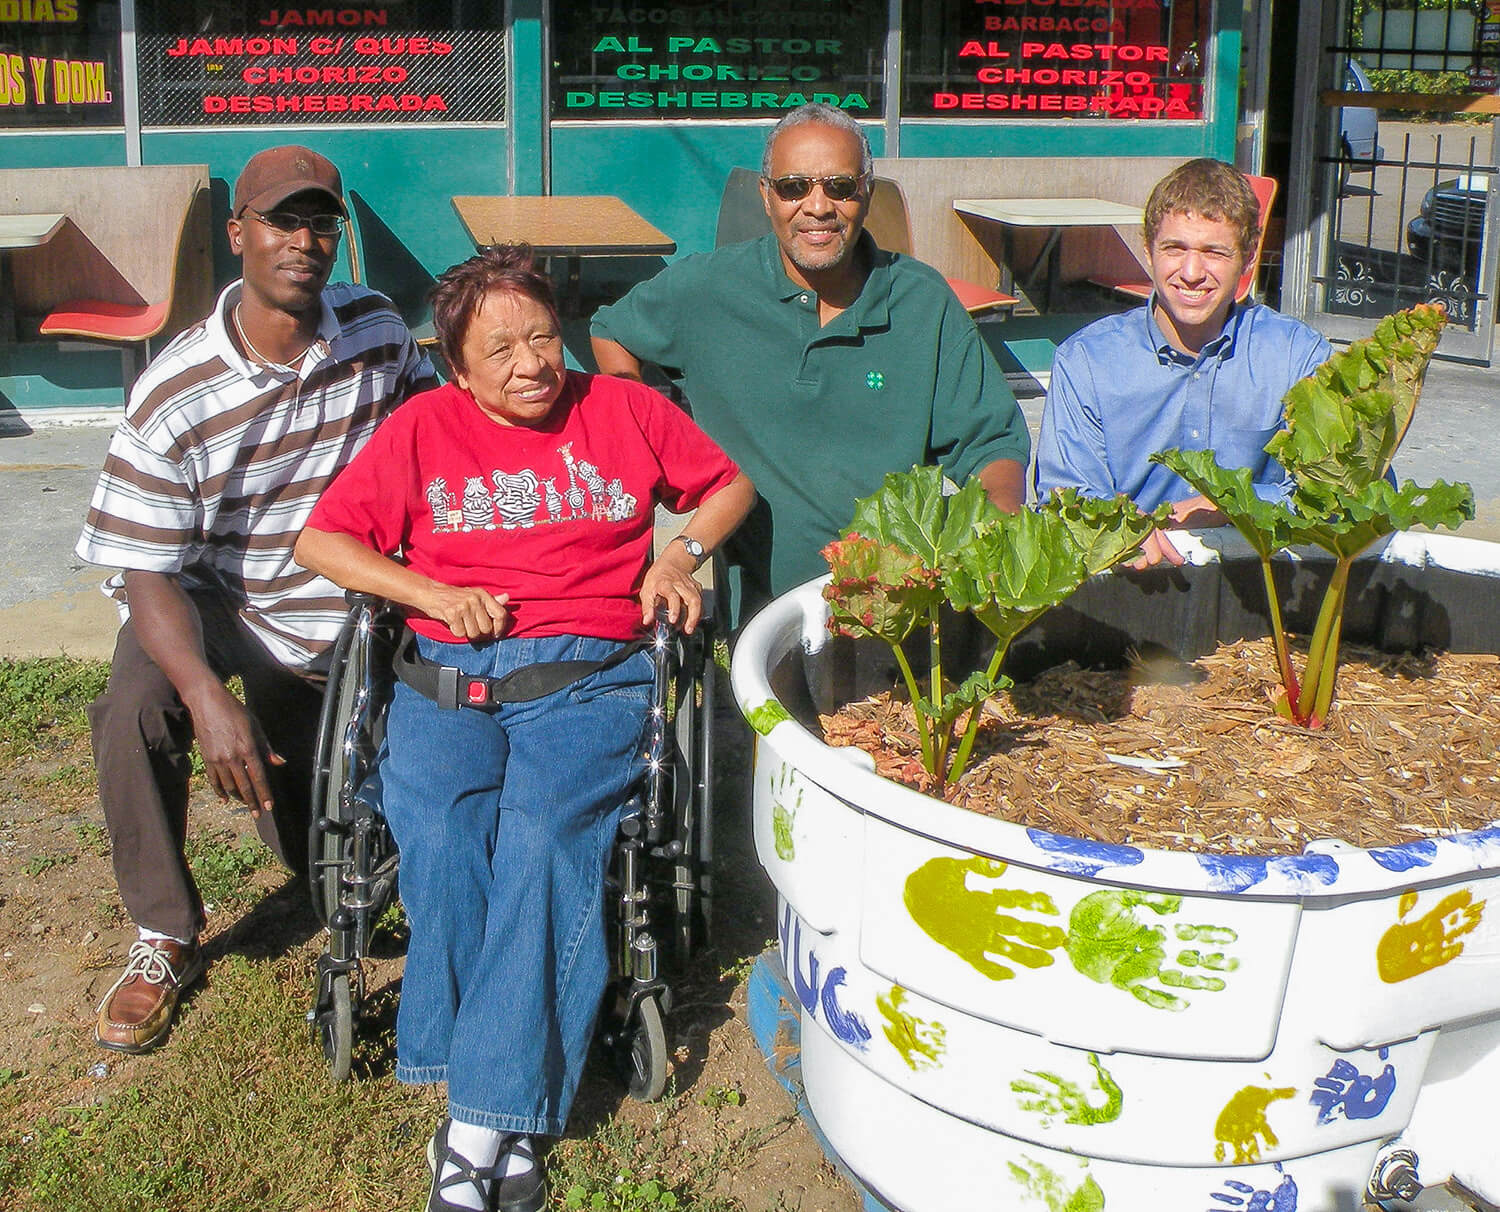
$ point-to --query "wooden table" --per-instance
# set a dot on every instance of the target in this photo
(21, 231)
(558, 225)
(1055, 214)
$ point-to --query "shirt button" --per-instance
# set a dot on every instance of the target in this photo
(803, 298)
(1197, 374)
(1195, 433)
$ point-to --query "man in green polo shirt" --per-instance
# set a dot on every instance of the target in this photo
(817, 361)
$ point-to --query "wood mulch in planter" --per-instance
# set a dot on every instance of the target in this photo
(1192, 756)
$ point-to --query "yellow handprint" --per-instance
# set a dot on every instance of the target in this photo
(1409, 949)
(971, 923)
(1243, 1124)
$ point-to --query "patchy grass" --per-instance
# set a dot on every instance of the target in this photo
(222, 864)
(43, 702)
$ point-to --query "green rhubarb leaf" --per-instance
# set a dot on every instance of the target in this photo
(1345, 421)
(877, 589)
(1379, 509)
(1015, 567)
(911, 512)
(1104, 530)
(1266, 525)
(975, 690)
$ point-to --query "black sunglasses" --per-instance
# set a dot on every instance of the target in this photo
(286, 222)
(794, 189)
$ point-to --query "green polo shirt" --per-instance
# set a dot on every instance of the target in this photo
(817, 416)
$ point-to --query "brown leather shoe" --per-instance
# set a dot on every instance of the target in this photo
(136, 1013)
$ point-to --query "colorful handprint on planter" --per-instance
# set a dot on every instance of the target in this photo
(1357, 1095)
(1046, 1186)
(1052, 1095)
(1409, 949)
(1108, 942)
(783, 815)
(975, 923)
(921, 1042)
(1245, 1198)
(1242, 1125)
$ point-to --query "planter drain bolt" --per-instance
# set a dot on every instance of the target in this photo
(1395, 1176)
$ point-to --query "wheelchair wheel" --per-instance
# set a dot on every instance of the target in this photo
(642, 1054)
(326, 849)
(336, 1027)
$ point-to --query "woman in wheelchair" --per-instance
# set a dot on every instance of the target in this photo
(520, 498)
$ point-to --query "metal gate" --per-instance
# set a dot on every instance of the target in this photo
(1391, 212)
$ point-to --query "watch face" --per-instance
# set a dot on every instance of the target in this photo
(695, 548)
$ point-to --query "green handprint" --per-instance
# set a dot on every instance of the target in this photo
(783, 817)
(1108, 943)
(1045, 1185)
(1057, 1096)
(921, 1042)
(970, 922)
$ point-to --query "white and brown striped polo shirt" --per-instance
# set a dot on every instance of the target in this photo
(218, 462)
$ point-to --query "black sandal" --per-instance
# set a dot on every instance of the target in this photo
(484, 1178)
(526, 1192)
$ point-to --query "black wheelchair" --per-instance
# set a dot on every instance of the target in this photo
(659, 890)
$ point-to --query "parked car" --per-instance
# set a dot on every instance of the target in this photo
(1359, 128)
(1449, 227)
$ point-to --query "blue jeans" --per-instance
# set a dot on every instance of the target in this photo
(506, 819)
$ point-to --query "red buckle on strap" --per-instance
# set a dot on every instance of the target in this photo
(477, 691)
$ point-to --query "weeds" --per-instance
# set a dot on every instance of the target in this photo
(92, 837)
(38, 864)
(221, 868)
(47, 698)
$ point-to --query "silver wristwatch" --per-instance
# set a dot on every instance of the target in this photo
(694, 548)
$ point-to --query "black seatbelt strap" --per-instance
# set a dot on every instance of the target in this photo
(453, 688)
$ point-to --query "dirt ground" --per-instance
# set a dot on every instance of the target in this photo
(64, 936)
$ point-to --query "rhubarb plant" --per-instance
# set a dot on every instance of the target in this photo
(1344, 423)
(911, 550)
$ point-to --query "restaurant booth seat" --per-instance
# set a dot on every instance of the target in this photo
(132, 263)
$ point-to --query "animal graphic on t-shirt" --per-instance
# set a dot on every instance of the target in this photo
(575, 490)
(595, 484)
(554, 499)
(445, 518)
(479, 506)
(516, 498)
(621, 503)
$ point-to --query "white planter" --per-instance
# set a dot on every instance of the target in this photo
(1061, 1024)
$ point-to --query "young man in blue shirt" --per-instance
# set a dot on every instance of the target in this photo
(1191, 369)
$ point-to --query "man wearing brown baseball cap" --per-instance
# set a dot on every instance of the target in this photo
(228, 438)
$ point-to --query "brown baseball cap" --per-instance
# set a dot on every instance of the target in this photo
(274, 175)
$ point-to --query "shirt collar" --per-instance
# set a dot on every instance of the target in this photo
(1220, 347)
(871, 309)
(324, 345)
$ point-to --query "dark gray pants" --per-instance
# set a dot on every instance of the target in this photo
(143, 737)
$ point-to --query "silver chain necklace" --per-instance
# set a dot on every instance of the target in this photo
(255, 353)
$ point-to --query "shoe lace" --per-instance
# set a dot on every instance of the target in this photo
(150, 962)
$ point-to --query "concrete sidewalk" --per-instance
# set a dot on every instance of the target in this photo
(50, 600)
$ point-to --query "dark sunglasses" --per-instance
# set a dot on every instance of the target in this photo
(794, 189)
(286, 222)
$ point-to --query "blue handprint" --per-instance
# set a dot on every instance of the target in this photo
(1346, 1089)
(1246, 1198)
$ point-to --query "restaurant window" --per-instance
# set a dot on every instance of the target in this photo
(717, 59)
(243, 63)
(1050, 59)
(60, 63)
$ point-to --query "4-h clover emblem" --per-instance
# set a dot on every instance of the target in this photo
(874, 380)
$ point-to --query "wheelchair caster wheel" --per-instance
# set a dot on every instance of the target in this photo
(642, 1055)
(336, 1028)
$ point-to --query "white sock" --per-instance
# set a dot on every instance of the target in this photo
(151, 936)
(516, 1162)
(477, 1146)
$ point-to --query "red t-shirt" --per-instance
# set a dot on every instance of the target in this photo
(558, 516)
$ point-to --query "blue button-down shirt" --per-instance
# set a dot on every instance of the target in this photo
(1120, 392)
